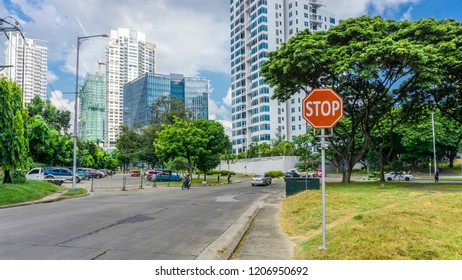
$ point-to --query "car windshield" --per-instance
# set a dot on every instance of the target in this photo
(258, 176)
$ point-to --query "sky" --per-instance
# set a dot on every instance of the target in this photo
(192, 36)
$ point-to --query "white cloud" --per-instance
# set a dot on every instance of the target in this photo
(227, 100)
(354, 8)
(221, 114)
(52, 77)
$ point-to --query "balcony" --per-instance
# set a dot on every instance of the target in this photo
(316, 3)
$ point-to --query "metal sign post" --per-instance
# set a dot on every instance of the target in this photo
(323, 185)
(323, 108)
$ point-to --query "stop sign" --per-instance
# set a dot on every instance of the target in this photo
(322, 108)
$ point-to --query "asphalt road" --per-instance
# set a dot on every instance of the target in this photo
(152, 223)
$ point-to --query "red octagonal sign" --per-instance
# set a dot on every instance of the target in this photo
(322, 108)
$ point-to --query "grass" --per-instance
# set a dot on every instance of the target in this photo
(75, 192)
(27, 191)
(403, 221)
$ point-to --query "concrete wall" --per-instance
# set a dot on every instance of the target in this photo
(260, 165)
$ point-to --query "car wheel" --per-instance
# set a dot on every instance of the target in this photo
(77, 180)
(98, 176)
(407, 179)
(389, 179)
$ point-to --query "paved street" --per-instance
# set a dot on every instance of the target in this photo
(152, 223)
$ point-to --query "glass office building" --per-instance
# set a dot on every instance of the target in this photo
(141, 93)
(92, 98)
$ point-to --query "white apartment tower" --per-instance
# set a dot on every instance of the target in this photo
(29, 61)
(258, 27)
(128, 56)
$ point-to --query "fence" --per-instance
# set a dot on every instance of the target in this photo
(122, 182)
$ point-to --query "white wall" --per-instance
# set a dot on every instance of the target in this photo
(260, 165)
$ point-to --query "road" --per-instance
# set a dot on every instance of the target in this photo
(162, 223)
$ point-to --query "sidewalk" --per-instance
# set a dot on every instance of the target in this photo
(264, 239)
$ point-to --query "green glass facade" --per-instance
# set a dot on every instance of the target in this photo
(92, 97)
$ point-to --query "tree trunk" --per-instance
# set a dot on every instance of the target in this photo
(7, 179)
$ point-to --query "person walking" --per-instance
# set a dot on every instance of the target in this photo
(229, 178)
(437, 176)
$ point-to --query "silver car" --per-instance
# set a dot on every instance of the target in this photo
(261, 179)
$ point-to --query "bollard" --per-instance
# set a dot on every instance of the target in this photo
(141, 186)
(91, 189)
(124, 183)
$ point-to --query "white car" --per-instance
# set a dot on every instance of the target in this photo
(398, 176)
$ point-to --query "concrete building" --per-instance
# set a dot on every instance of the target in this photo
(33, 69)
(141, 93)
(92, 98)
(128, 56)
(258, 27)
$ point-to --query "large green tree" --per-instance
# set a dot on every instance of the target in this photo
(217, 144)
(374, 64)
(56, 119)
(181, 139)
(13, 142)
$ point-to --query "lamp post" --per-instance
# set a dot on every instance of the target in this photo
(434, 143)
(76, 105)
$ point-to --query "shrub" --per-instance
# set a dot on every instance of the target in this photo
(276, 174)
(225, 173)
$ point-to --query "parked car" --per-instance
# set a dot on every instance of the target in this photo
(317, 173)
(83, 175)
(261, 179)
(292, 173)
(94, 173)
(51, 173)
(135, 173)
(149, 173)
(39, 174)
(398, 176)
(166, 176)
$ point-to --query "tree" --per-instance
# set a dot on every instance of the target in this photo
(180, 139)
(374, 64)
(216, 145)
(56, 119)
(166, 109)
(13, 142)
(303, 148)
(129, 146)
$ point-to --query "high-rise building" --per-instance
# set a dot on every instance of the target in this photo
(141, 93)
(258, 27)
(92, 98)
(29, 61)
(128, 56)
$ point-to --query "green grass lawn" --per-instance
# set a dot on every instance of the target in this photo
(409, 221)
(27, 191)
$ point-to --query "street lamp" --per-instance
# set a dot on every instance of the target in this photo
(434, 143)
(76, 105)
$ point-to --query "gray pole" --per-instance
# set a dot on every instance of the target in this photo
(434, 143)
(323, 180)
(76, 106)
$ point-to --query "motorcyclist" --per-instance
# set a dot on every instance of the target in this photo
(186, 182)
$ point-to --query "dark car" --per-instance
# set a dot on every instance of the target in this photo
(166, 176)
(261, 179)
(292, 174)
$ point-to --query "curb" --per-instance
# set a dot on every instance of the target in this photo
(225, 245)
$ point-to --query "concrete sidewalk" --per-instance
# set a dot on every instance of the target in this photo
(264, 239)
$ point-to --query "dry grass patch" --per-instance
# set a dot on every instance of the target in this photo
(365, 222)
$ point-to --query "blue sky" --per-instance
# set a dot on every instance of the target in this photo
(191, 36)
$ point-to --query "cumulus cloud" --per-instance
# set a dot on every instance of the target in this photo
(354, 8)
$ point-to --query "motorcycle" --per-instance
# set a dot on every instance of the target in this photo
(186, 184)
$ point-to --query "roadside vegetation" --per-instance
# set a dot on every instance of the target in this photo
(25, 191)
(411, 221)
